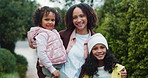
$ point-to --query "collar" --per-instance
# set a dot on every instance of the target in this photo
(73, 35)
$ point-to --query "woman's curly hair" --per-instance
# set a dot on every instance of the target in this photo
(39, 13)
(90, 67)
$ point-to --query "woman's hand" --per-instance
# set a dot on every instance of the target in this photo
(123, 73)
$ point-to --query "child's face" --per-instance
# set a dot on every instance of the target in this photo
(79, 19)
(48, 21)
(99, 51)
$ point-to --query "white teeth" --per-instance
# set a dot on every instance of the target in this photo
(49, 25)
(80, 24)
(98, 54)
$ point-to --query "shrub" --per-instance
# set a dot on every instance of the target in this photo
(10, 75)
(21, 65)
(7, 61)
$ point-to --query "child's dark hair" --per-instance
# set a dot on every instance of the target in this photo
(90, 66)
(39, 13)
(90, 14)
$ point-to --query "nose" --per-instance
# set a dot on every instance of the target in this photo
(99, 50)
(78, 19)
(49, 21)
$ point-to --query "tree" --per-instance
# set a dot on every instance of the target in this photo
(125, 25)
(62, 25)
(114, 26)
(68, 3)
(138, 42)
(15, 20)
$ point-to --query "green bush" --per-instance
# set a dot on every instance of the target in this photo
(10, 75)
(7, 61)
(125, 25)
(10, 63)
(21, 65)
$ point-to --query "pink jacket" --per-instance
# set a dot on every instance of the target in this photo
(55, 50)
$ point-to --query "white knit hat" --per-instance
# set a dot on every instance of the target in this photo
(95, 39)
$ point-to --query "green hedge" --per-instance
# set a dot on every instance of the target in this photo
(125, 25)
(21, 65)
(12, 65)
(10, 75)
(7, 61)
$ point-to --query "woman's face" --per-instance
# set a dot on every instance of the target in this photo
(79, 19)
(99, 51)
(48, 21)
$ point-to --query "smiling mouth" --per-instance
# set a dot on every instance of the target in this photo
(49, 25)
(98, 54)
(80, 24)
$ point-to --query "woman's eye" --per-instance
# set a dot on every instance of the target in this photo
(74, 17)
(82, 15)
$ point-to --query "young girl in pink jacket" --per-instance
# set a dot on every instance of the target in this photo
(47, 41)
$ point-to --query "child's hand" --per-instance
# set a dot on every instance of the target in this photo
(54, 77)
(56, 73)
(123, 73)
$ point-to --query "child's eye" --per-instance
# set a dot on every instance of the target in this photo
(102, 47)
(47, 19)
(52, 19)
(95, 48)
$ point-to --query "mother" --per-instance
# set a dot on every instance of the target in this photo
(80, 19)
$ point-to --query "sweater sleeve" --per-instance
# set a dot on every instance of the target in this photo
(117, 71)
(41, 40)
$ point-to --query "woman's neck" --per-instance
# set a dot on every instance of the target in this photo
(82, 32)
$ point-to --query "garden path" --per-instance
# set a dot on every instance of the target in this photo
(22, 48)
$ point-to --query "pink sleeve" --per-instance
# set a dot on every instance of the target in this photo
(41, 40)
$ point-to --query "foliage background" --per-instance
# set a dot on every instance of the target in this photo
(123, 22)
(15, 21)
(125, 25)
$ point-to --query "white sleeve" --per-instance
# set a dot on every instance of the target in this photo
(41, 40)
